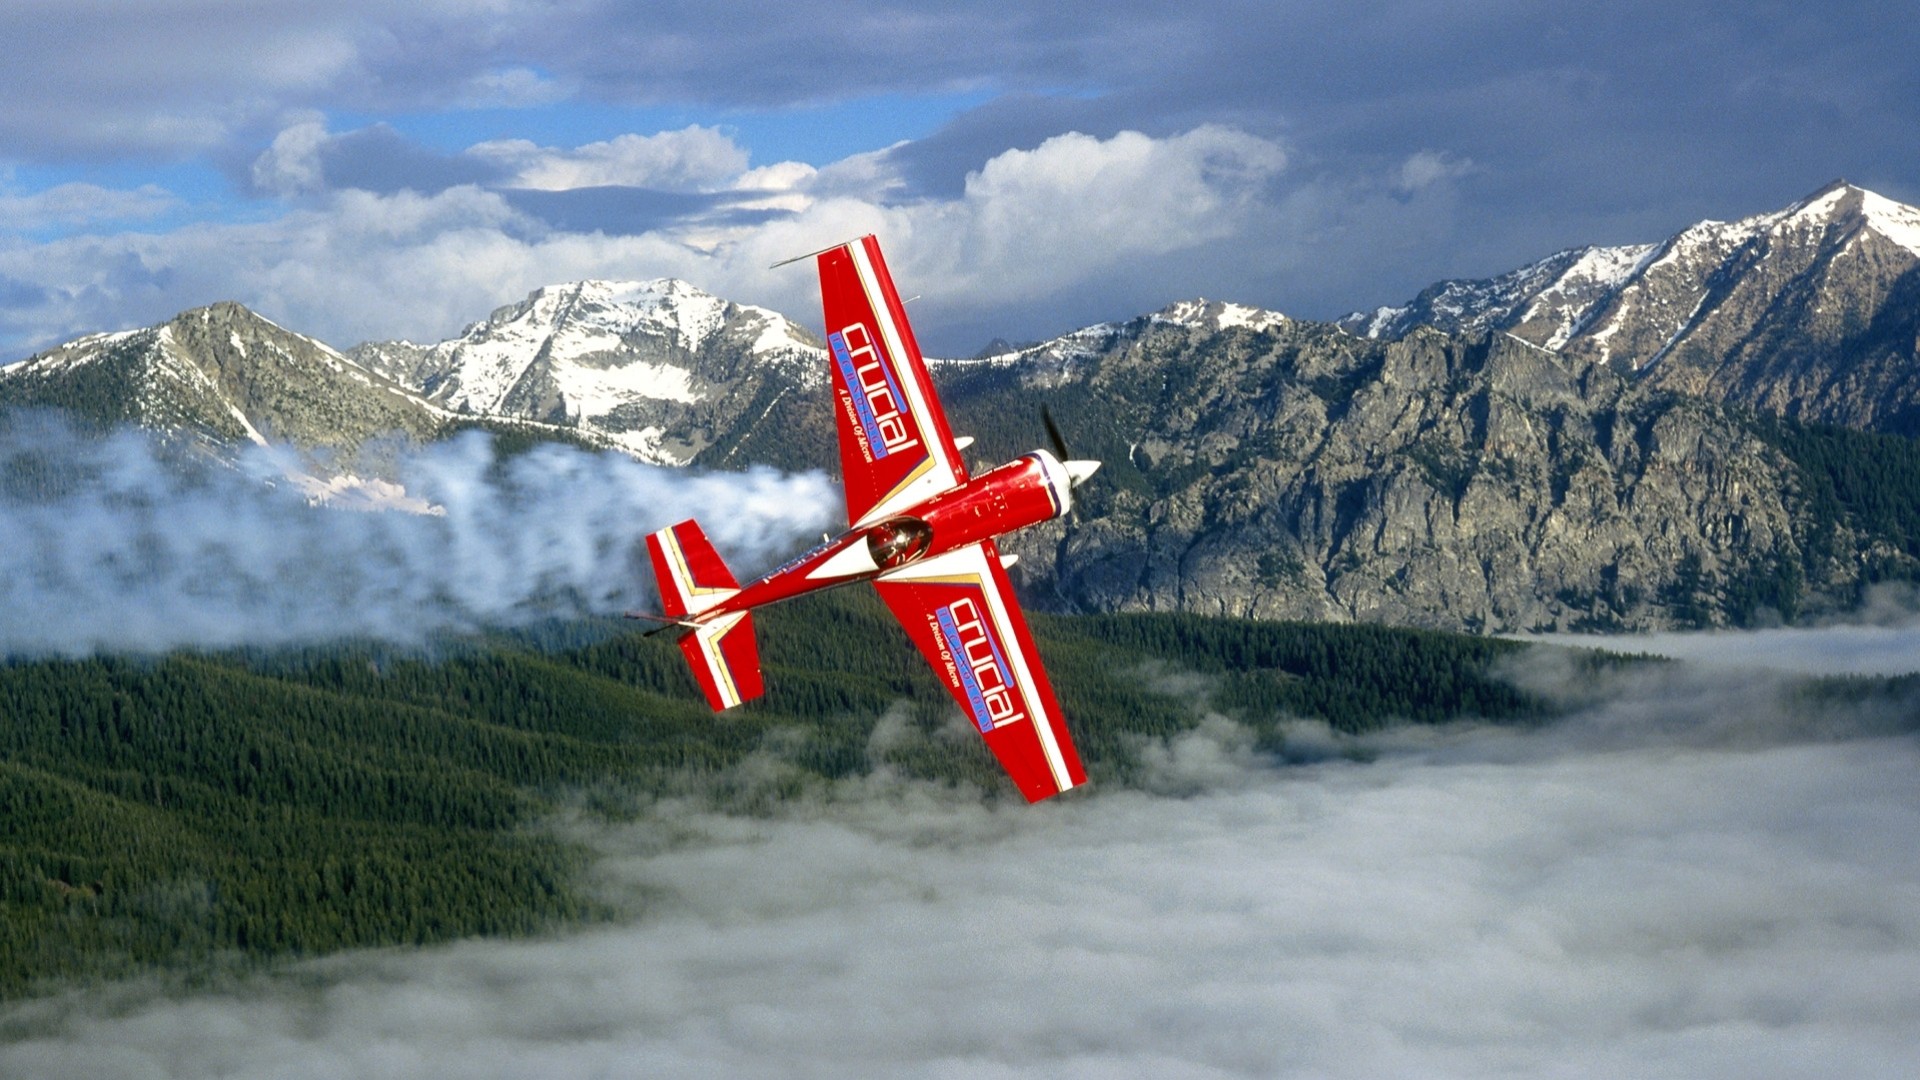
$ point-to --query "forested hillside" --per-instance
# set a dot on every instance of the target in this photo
(194, 810)
(1857, 486)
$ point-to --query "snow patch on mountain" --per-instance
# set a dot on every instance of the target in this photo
(1707, 239)
(1573, 296)
(602, 343)
(351, 492)
(1378, 324)
(1203, 314)
(1897, 222)
(81, 350)
(579, 329)
(623, 360)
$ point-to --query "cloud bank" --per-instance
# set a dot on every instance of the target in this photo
(1630, 893)
(1881, 637)
(384, 240)
(1423, 141)
(105, 546)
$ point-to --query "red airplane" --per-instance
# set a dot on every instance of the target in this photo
(922, 531)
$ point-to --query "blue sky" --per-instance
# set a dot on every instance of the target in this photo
(374, 170)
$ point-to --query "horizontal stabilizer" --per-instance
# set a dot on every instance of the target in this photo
(725, 659)
(720, 647)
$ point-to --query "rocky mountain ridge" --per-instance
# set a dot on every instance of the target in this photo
(219, 376)
(1295, 471)
(631, 362)
(1256, 465)
(1812, 311)
(215, 379)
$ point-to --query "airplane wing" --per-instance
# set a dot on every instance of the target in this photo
(895, 447)
(960, 610)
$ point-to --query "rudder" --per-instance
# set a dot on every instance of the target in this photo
(722, 650)
(725, 657)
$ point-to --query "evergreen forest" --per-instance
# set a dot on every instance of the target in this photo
(197, 811)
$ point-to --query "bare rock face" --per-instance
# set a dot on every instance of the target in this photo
(1431, 481)
(1279, 469)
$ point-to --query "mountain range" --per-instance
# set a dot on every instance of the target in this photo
(1582, 443)
(1812, 312)
(631, 362)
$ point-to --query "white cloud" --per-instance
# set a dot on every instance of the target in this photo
(691, 159)
(1880, 637)
(1429, 167)
(351, 266)
(1853, 650)
(869, 177)
(292, 165)
(140, 560)
(82, 204)
(1077, 205)
(348, 266)
(1470, 903)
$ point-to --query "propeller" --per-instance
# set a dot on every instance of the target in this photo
(1077, 470)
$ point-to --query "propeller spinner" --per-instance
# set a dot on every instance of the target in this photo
(1077, 470)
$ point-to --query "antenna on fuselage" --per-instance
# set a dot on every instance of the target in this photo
(822, 251)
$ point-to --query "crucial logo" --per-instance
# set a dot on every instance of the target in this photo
(983, 671)
(876, 397)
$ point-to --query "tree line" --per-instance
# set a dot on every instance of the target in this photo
(202, 808)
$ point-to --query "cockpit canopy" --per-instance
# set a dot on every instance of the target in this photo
(898, 541)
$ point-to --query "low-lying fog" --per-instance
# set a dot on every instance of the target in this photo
(1703, 876)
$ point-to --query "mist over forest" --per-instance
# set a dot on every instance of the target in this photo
(1698, 871)
(1363, 852)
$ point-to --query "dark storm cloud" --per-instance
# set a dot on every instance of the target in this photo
(1648, 97)
(20, 293)
(178, 76)
(769, 54)
(1563, 124)
(380, 159)
(1423, 140)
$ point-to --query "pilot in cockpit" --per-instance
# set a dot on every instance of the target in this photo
(898, 541)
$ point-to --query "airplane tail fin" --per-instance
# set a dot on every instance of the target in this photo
(691, 576)
(722, 651)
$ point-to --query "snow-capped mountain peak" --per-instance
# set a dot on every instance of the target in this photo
(1801, 310)
(1546, 301)
(1204, 314)
(616, 358)
(579, 319)
(1896, 221)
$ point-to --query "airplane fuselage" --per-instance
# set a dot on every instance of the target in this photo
(1032, 488)
(923, 530)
